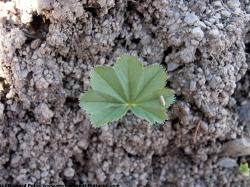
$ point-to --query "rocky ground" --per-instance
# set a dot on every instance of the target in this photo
(47, 50)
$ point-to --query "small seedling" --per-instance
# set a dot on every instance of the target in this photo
(244, 169)
(128, 85)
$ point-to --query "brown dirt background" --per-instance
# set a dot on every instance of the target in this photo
(47, 50)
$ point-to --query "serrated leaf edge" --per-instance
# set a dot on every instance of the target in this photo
(114, 120)
(129, 108)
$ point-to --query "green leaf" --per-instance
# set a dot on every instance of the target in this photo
(154, 79)
(109, 114)
(101, 81)
(128, 85)
(244, 169)
(130, 73)
(168, 95)
(94, 101)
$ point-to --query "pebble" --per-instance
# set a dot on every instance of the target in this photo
(198, 33)
(208, 23)
(44, 5)
(248, 8)
(214, 33)
(1, 111)
(83, 144)
(217, 4)
(100, 175)
(187, 55)
(233, 4)
(191, 18)
(43, 113)
(225, 13)
(212, 20)
(204, 126)
(201, 24)
(227, 162)
(172, 66)
(238, 147)
(15, 160)
(192, 85)
(44, 174)
(233, 136)
(220, 26)
(69, 172)
(26, 18)
(230, 28)
(35, 44)
(244, 113)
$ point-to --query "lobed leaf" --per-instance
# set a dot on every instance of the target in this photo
(127, 85)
